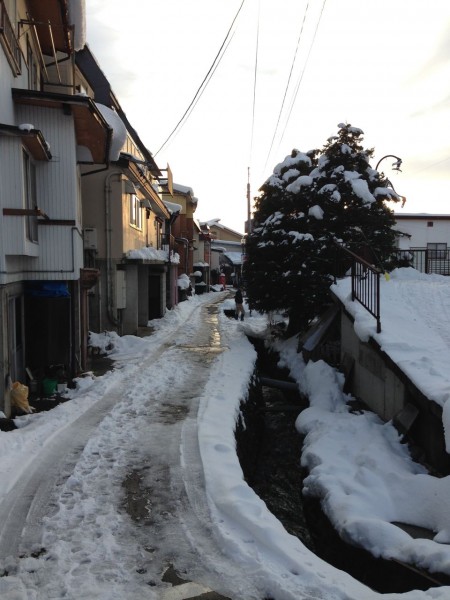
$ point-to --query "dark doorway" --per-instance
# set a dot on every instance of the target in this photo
(154, 297)
(48, 332)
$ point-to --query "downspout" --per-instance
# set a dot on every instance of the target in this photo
(108, 234)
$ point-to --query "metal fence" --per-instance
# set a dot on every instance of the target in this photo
(365, 281)
(426, 260)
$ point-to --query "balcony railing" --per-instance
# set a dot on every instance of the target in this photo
(9, 40)
(167, 242)
(365, 281)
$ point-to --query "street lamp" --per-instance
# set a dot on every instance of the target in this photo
(395, 167)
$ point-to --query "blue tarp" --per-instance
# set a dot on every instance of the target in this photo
(48, 289)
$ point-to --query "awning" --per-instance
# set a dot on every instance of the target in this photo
(91, 129)
(32, 139)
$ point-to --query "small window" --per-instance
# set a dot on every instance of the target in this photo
(430, 223)
(437, 251)
(135, 212)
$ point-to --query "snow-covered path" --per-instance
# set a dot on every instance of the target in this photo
(110, 503)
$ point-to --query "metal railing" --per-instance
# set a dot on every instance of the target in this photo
(426, 260)
(9, 40)
(167, 242)
(365, 281)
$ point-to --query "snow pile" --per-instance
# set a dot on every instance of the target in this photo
(150, 253)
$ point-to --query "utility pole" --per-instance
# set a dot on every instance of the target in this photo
(249, 214)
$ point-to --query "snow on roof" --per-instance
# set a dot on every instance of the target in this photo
(234, 257)
(77, 18)
(119, 135)
(149, 253)
(184, 189)
(172, 207)
(216, 223)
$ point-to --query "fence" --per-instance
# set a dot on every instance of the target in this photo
(426, 260)
(365, 281)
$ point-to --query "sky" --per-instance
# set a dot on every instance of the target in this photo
(381, 65)
(358, 467)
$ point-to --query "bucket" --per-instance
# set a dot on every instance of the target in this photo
(49, 386)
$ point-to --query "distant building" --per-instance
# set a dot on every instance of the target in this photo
(226, 252)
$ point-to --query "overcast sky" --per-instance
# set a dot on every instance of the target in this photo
(381, 65)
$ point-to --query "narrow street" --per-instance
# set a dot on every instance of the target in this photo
(152, 538)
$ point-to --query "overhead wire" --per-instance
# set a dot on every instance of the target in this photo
(302, 72)
(254, 81)
(205, 81)
(194, 103)
(287, 85)
(253, 119)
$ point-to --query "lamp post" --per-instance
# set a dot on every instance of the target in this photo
(395, 167)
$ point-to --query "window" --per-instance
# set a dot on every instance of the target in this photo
(430, 223)
(135, 211)
(29, 195)
(437, 251)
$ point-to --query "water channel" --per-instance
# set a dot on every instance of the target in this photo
(269, 449)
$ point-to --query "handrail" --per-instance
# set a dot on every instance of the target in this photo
(365, 283)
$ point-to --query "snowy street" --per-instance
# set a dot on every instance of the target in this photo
(120, 504)
(133, 489)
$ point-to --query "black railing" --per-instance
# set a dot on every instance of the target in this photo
(166, 242)
(365, 281)
(426, 260)
(9, 41)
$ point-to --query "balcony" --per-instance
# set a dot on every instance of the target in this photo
(9, 41)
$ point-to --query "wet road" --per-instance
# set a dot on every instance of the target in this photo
(141, 439)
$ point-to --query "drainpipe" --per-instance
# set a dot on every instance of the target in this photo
(109, 264)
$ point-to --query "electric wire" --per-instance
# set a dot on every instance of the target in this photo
(194, 104)
(432, 165)
(287, 85)
(302, 73)
(254, 82)
(206, 80)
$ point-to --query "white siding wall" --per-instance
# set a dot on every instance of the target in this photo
(422, 234)
(60, 246)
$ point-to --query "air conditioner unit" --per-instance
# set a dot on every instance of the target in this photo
(90, 238)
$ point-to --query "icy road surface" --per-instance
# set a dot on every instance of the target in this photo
(109, 504)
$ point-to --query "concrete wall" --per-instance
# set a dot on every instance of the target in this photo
(372, 379)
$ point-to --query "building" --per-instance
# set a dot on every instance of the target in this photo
(125, 222)
(46, 129)
(426, 238)
(226, 252)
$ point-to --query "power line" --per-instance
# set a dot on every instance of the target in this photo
(254, 81)
(287, 85)
(303, 72)
(194, 103)
(432, 165)
(205, 80)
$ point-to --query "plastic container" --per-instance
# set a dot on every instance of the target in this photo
(49, 386)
